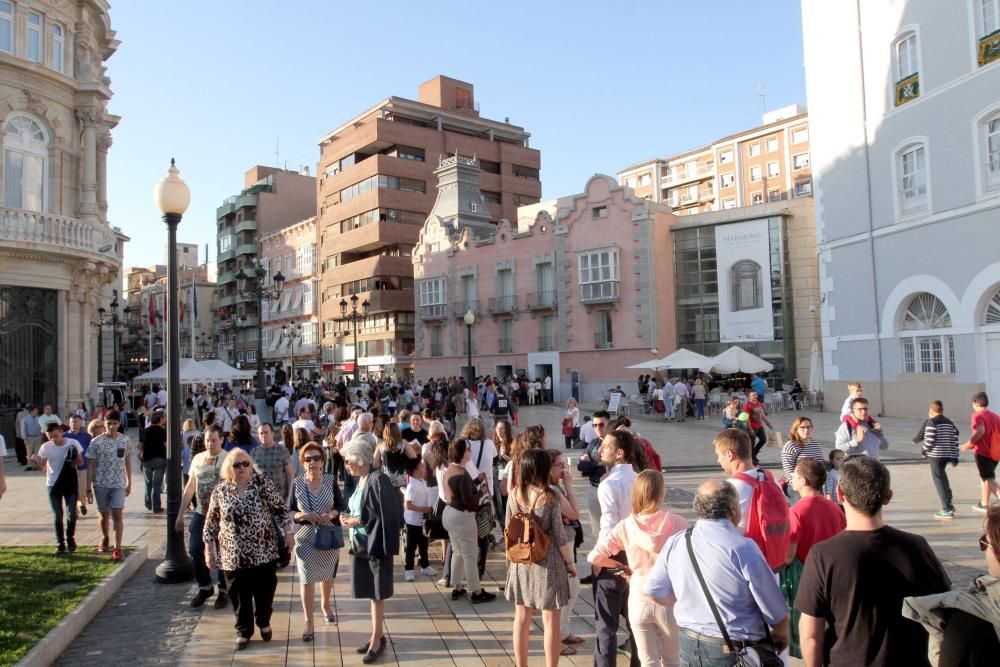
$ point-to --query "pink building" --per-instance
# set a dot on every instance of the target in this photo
(572, 290)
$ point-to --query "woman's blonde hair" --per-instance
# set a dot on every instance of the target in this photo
(647, 492)
(793, 433)
(226, 471)
(93, 425)
(474, 429)
(391, 435)
(188, 425)
(437, 428)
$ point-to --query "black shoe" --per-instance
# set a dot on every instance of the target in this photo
(60, 549)
(158, 510)
(587, 581)
(483, 596)
(242, 643)
(222, 600)
(83, 509)
(625, 647)
(372, 656)
(458, 593)
(200, 597)
(70, 544)
(266, 636)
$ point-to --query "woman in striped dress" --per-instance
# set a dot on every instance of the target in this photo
(316, 501)
(800, 445)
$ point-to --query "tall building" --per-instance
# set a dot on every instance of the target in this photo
(291, 324)
(767, 163)
(906, 156)
(376, 188)
(60, 259)
(271, 200)
(572, 289)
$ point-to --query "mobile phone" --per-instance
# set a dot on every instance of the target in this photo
(617, 571)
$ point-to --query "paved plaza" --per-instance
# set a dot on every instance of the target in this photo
(148, 623)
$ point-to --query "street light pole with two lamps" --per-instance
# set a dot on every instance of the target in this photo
(295, 332)
(262, 294)
(355, 316)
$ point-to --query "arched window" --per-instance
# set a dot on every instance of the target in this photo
(992, 314)
(25, 158)
(747, 285)
(927, 354)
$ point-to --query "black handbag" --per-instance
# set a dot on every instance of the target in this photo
(359, 546)
(484, 515)
(758, 655)
(67, 481)
(433, 526)
(284, 555)
(329, 537)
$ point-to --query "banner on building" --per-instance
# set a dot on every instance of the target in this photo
(743, 263)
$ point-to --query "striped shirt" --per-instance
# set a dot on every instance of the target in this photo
(792, 452)
(940, 438)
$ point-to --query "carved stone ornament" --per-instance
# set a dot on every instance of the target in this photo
(89, 116)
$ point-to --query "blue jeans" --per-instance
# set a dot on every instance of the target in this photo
(196, 549)
(700, 405)
(153, 471)
(940, 476)
(56, 500)
(704, 654)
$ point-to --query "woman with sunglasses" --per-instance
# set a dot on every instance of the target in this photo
(316, 501)
(800, 445)
(965, 625)
(243, 516)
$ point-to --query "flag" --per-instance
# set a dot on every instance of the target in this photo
(181, 298)
(152, 311)
(194, 298)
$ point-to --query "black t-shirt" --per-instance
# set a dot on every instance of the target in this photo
(857, 581)
(410, 435)
(154, 445)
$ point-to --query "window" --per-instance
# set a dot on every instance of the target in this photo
(630, 182)
(25, 153)
(524, 172)
(407, 153)
(991, 144)
(804, 188)
(907, 68)
(437, 335)
(927, 354)
(912, 167)
(992, 314)
(34, 49)
(800, 136)
(603, 332)
(725, 157)
(755, 174)
(599, 274)
(644, 179)
(756, 198)
(800, 161)
(772, 144)
(7, 27)
(754, 149)
(432, 292)
(747, 287)
(506, 335)
(56, 48)
(772, 169)
(307, 298)
(489, 167)
(727, 180)
(599, 212)
(304, 258)
(774, 194)
(990, 14)
(728, 203)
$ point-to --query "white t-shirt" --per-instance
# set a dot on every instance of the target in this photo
(418, 494)
(281, 409)
(486, 464)
(55, 456)
(161, 399)
(3, 446)
(307, 424)
(587, 432)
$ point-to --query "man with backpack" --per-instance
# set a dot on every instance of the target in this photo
(763, 506)
(623, 423)
(500, 407)
(985, 442)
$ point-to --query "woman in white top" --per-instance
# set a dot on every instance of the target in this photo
(571, 420)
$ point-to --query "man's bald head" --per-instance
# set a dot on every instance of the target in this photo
(365, 421)
(717, 499)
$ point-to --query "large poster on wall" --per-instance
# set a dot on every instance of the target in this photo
(743, 263)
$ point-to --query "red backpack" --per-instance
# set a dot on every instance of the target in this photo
(651, 455)
(767, 518)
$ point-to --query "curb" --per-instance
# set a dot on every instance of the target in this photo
(51, 646)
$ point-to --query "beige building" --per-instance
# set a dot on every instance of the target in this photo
(376, 188)
(764, 164)
(291, 324)
(60, 259)
(271, 199)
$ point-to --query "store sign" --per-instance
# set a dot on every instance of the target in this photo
(743, 264)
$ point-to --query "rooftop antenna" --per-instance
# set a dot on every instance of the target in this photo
(762, 92)
(277, 161)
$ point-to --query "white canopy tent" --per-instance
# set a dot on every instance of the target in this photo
(651, 365)
(225, 372)
(684, 358)
(191, 372)
(738, 360)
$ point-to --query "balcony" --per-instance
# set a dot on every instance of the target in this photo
(460, 308)
(437, 311)
(546, 343)
(248, 322)
(681, 175)
(602, 292)
(601, 342)
(226, 301)
(503, 304)
(246, 200)
(506, 345)
(545, 300)
(57, 234)
(246, 226)
(246, 249)
(226, 277)
(226, 255)
(437, 350)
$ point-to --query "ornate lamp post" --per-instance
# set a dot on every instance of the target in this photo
(294, 332)
(469, 319)
(262, 294)
(172, 197)
(355, 316)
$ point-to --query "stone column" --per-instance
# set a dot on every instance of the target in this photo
(87, 204)
(103, 144)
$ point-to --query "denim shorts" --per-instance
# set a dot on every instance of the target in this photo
(108, 498)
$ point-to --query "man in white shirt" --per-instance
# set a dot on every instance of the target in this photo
(681, 389)
(161, 399)
(229, 413)
(281, 411)
(304, 421)
(547, 396)
(587, 432)
(669, 392)
(614, 493)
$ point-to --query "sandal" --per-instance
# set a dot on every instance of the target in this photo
(567, 650)
(573, 639)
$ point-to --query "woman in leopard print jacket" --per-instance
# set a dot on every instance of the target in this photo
(243, 515)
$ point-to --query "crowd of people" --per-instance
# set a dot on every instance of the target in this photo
(796, 563)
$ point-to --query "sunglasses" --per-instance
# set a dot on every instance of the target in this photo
(238, 465)
(983, 544)
(313, 458)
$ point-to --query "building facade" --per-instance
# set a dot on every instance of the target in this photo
(571, 290)
(376, 189)
(272, 199)
(291, 323)
(60, 260)
(906, 156)
(768, 163)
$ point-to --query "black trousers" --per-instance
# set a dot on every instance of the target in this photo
(610, 602)
(21, 450)
(252, 592)
(415, 539)
(760, 439)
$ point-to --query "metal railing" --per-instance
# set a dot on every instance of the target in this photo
(546, 343)
(437, 350)
(460, 308)
(437, 311)
(506, 345)
(503, 304)
(601, 342)
(542, 300)
(599, 292)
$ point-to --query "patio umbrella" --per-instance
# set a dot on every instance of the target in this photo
(738, 360)
(815, 368)
(684, 358)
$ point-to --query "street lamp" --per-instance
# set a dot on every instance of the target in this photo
(172, 197)
(262, 294)
(469, 319)
(354, 316)
(295, 332)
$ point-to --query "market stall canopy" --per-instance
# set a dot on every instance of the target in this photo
(738, 360)
(191, 372)
(651, 365)
(227, 372)
(684, 358)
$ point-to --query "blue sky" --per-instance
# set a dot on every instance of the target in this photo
(599, 86)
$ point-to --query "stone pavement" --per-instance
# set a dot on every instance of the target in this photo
(150, 623)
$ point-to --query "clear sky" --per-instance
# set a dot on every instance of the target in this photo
(599, 85)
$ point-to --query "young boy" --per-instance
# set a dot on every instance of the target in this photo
(853, 391)
(417, 501)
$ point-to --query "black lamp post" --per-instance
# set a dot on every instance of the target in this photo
(294, 332)
(469, 319)
(172, 197)
(355, 316)
(262, 294)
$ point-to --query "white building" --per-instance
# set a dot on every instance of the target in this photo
(59, 258)
(905, 114)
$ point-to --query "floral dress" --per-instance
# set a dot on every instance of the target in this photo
(545, 584)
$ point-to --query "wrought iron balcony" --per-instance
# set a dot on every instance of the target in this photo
(503, 304)
(602, 292)
(460, 308)
(506, 345)
(546, 343)
(437, 311)
(545, 300)
(601, 342)
(437, 350)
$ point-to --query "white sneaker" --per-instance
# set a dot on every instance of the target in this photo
(429, 571)
(441, 582)
(408, 575)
